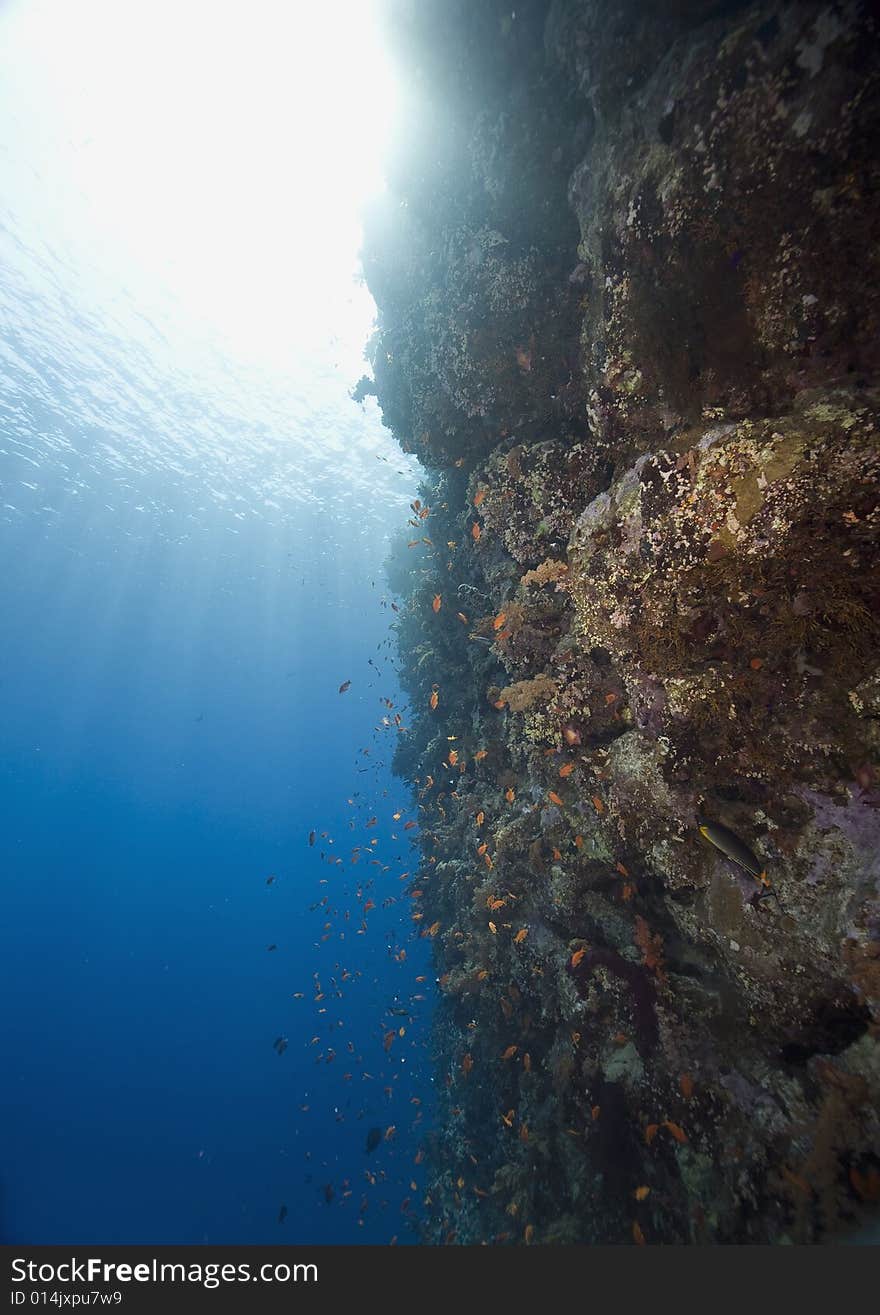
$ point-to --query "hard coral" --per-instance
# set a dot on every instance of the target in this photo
(629, 298)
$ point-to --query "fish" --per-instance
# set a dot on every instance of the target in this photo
(436, 604)
(282, 1214)
(311, 837)
(280, 1044)
(730, 845)
(346, 684)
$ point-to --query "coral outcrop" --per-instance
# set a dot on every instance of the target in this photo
(628, 291)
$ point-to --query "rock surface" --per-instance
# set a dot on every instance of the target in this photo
(628, 292)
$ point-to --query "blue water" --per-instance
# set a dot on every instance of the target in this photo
(192, 548)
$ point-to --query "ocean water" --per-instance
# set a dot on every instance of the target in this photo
(192, 537)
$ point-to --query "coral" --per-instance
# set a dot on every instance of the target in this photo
(549, 572)
(524, 694)
(629, 307)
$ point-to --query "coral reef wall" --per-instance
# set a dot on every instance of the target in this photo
(628, 291)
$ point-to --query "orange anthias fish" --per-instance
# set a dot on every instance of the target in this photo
(476, 532)
(437, 603)
(499, 620)
(479, 496)
(434, 699)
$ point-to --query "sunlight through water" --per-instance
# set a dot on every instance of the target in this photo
(180, 298)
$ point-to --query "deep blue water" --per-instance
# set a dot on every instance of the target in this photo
(155, 773)
(192, 538)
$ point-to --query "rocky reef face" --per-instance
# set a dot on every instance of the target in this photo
(627, 279)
